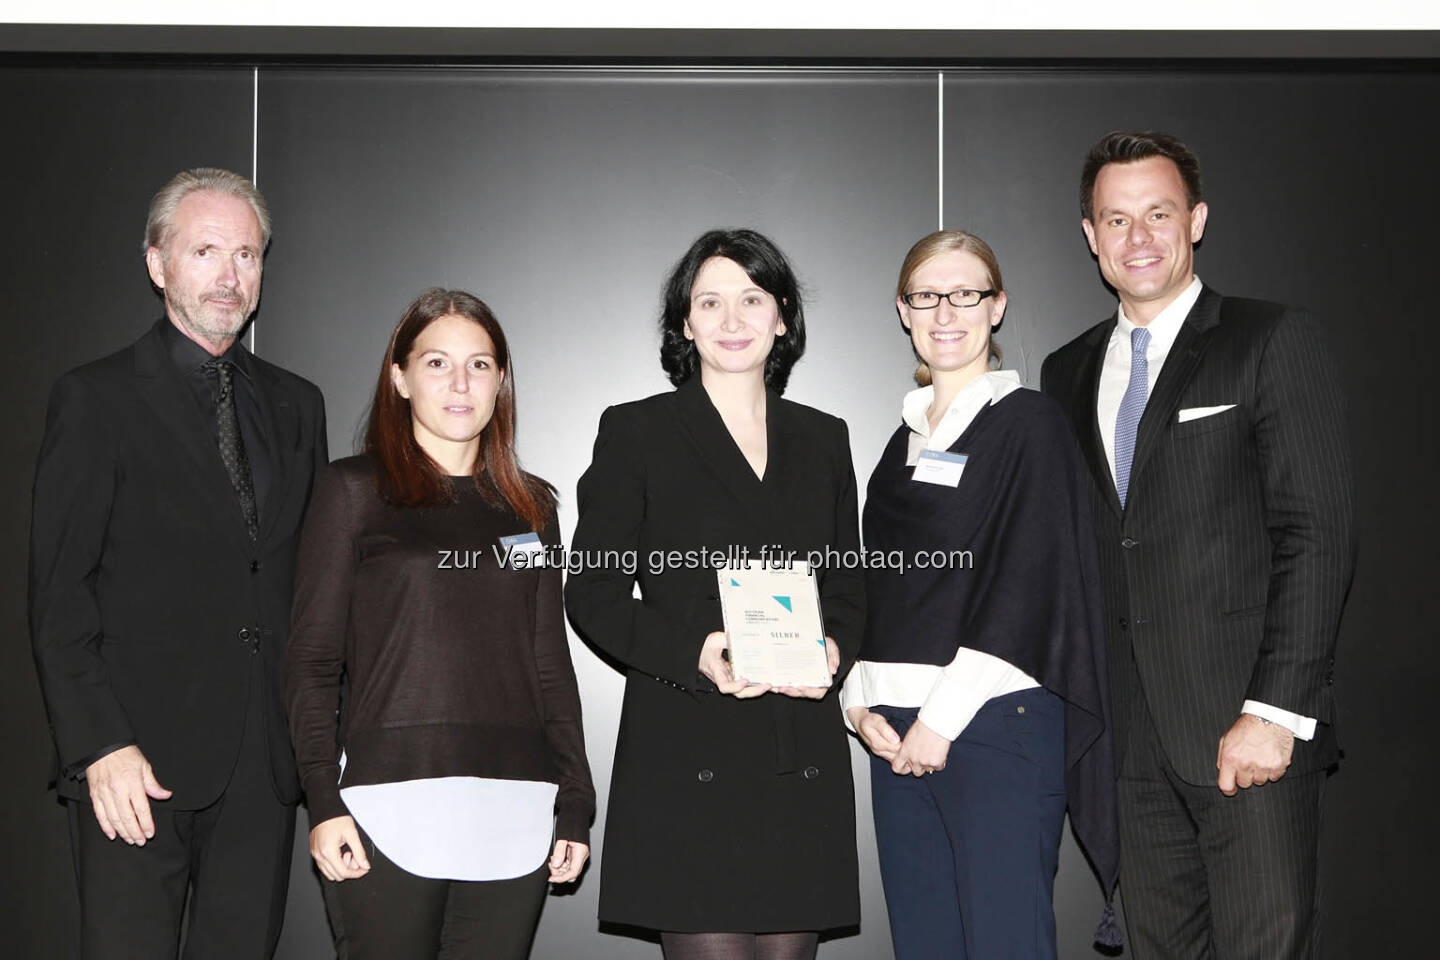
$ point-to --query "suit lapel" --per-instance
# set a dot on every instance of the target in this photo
(711, 442)
(1180, 365)
(281, 423)
(1087, 421)
(174, 405)
(786, 443)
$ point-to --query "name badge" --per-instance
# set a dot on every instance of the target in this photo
(526, 545)
(940, 467)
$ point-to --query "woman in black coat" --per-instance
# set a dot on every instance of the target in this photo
(731, 820)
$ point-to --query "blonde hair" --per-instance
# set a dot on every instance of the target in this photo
(950, 241)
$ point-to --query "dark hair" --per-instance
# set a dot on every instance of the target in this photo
(767, 268)
(1121, 146)
(406, 476)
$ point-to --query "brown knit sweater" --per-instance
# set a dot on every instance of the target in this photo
(452, 665)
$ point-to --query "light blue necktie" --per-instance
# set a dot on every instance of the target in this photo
(1132, 405)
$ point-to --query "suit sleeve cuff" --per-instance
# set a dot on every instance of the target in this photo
(1302, 727)
(705, 619)
(76, 770)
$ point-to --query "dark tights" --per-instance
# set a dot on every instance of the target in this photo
(740, 946)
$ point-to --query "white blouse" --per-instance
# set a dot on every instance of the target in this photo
(458, 828)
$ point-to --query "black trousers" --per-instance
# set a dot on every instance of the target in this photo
(1203, 875)
(235, 854)
(391, 914)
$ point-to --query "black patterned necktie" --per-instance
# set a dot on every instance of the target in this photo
(232, 445)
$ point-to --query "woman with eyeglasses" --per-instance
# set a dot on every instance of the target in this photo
(449, 783)
(980, 688)
(731, 824)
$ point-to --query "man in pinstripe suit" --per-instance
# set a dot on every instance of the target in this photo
(1220, 474)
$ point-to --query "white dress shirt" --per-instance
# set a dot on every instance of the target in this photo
(1114, 378)
(457, 828)
(948, 696)
(1115, 374)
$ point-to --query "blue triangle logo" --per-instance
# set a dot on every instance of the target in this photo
(734, 582)
(785, 602)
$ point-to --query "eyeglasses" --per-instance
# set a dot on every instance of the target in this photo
(929, 299)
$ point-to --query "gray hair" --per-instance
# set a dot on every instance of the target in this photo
(159, 224)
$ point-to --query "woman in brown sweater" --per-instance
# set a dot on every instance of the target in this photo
(435, 782)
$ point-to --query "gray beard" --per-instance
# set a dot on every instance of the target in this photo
(212, 331)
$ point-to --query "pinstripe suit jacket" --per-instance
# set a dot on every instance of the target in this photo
(1226, 572)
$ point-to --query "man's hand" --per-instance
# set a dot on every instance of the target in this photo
(121, 788)
(327, 839)
(1252, 752)
(922, 751)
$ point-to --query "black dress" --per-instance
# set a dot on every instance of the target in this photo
(724, 814)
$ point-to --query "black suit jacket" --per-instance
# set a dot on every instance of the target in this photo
(754, 795)
(148, 600)
(1226, 571)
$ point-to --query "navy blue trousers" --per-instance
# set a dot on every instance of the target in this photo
(968, 854)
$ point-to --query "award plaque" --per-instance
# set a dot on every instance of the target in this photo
(773, 627)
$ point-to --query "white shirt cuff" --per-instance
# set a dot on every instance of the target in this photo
(1302, 727)
(964, 686)
(852, 694)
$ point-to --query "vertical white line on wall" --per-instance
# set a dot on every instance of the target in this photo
(254, 154)
(940, 143)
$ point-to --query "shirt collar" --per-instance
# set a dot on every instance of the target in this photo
(984, 389)
(1167, 323)
(188, 356)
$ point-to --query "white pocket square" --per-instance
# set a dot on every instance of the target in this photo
(1195, 413)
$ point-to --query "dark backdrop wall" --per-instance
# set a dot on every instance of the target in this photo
(561, 197)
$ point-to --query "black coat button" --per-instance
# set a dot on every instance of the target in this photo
(705, 776)
(245, 634)
(254, 566)
(1124, 624)
(810, 773)
(1129, 543)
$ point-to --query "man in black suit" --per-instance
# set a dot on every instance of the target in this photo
(168, 498)
(1221, 485)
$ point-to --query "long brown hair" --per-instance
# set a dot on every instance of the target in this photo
(406, 476)
(950, 241)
